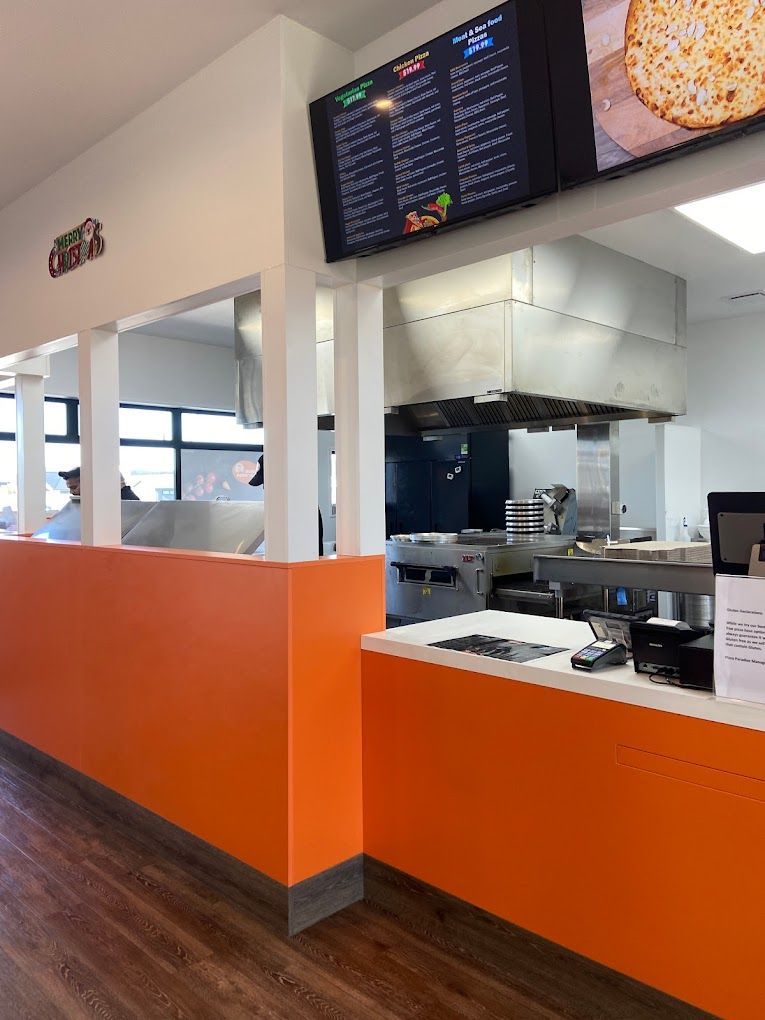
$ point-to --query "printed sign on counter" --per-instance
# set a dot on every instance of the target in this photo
(740, 638)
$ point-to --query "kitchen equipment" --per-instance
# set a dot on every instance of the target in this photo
(434, 537)
(524, 517)
(697, 610)
(429, 580)
(565, 332)
(66, 525)
(231, 527)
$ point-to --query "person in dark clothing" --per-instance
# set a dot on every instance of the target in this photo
(125, 491)
(259, 479)
(72, 479)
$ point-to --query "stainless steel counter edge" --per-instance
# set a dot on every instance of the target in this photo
(652, 575)
(619, 684)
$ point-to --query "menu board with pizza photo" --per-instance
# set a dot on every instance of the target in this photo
(660, 74)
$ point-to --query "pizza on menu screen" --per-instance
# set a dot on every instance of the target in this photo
(639, 80)
(434, 138)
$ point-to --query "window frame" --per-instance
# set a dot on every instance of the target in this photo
(176, 443)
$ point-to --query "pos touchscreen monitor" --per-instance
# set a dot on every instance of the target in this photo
(639, 81)
(456, 128)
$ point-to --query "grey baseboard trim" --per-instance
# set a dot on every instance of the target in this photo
(513, 953)
(326, 893)
(285, 910)
(262, 896)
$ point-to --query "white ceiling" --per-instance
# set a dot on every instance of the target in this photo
(73, 71)
(213, 324)
(715, 270)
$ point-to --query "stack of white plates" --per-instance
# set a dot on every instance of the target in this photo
(524, 517)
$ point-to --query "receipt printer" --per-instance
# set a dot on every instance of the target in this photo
(656, 646)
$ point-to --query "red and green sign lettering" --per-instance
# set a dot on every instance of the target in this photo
(76, 247)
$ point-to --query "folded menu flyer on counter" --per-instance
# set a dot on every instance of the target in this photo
(497, 648)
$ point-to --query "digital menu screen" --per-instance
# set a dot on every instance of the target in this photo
(635, 81)
(457, 128)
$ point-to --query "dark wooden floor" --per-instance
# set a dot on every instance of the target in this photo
(97, 920)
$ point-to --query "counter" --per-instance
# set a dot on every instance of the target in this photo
(616, 683)
(617, 818)
(204, 687)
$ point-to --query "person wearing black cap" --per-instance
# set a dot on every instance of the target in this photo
(259, 479)
(72, 479)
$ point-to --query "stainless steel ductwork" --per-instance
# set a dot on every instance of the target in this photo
(560, 334)
(564, 333)
(248, 350)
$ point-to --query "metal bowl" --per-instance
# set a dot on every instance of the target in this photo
(435, 537)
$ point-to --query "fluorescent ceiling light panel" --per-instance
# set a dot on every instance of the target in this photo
(736, 216)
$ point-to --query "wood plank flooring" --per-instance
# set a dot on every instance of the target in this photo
(99, 920)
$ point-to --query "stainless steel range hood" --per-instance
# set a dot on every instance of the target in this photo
(559, 334)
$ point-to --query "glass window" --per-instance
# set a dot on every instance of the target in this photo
(9, 503)
(55, 418)
(7, 414)
(142, 423)
(197, 427)
(149, 471)
(219, 474)
(333, 481)
(58, 457)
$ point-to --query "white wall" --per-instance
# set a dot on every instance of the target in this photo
(542, 459)
(155, 370)
(311, 67)
(726, 368)
(190, 194)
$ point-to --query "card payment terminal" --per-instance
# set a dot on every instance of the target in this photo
(600, 654)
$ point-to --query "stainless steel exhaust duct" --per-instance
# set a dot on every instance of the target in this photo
(248, 351)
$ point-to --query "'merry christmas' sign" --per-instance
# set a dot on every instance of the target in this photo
(75, 248)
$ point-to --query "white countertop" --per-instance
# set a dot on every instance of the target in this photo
(616, 683)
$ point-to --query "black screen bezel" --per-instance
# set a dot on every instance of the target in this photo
(540, 138)
(576, 153)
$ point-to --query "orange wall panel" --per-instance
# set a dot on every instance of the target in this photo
(161, 675)
(613, 830)
(331, 609)
(222, 693)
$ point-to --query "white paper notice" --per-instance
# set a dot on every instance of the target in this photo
(740, 638)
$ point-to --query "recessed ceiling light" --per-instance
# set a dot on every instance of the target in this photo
(736, 216)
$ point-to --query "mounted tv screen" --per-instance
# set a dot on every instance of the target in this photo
(457, 128)
(637, 81)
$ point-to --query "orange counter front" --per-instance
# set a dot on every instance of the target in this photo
(220, 692)
(632, 836)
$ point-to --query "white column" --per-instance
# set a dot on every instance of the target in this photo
(30, 451)
(290, 414)
(100, 437)
(359, 420)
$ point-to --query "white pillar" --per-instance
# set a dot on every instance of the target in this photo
(290, 414)
(359, 420)
(30, 451)
(100, 437)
